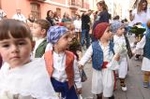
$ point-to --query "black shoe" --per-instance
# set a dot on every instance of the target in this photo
(112, 97)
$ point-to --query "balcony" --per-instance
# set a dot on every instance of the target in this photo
(38, 0)
(75, 4)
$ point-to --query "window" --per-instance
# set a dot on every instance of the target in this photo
(72, 2)
(35, 10)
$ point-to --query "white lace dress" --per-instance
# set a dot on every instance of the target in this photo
(30, 81)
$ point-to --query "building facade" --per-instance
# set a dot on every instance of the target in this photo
(40, 7)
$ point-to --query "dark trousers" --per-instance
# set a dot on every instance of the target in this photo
(85, 37)
(63, 88)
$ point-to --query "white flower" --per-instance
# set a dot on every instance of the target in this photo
(121, 49)
(140, 26)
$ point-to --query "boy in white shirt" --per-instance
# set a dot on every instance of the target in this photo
(62, 64)
(104, 61)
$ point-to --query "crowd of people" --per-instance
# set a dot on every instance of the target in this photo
(44, 59)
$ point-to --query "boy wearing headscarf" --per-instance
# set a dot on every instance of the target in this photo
(104, 61)
(62, 64)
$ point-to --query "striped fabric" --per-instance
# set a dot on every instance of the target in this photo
(116, 25)
(55, 32)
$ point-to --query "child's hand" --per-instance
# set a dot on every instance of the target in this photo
(80, 66)
(133, 51)
(79, 90)
(117, 57)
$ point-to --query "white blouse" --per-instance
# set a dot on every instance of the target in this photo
(29, 81)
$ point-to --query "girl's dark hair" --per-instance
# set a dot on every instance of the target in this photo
(103, 4)
(49, 12)
(140, 5)
(14, 28)
(117, 17)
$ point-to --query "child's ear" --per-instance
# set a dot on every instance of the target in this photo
(43, 31)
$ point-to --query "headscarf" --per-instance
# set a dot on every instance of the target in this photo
(55, 32)
(116, 25)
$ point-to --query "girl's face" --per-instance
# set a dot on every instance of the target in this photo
(77, 17)
(120, 31)
(31, 17)
(107, 34)
(144, 5)
(99, 7)
(64, 42)
(36, 30)
(16, 51)
(51, 14)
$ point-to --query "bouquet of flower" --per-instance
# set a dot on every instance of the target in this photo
(121, 49)
(138, 30)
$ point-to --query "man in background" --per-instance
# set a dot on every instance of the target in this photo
(19, 16)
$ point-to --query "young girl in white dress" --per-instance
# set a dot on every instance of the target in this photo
(104, 61)
(20, 76)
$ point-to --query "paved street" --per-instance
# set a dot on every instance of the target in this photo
(134, 83)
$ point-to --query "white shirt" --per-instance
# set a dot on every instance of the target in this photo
(2, 14)
(59, 69)
(49, 47)
(106, 55)
(30, 80)
(77, 25)
(20, 17)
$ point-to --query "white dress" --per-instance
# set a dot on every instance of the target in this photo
(30, 81)
(141, 17)
(120, 43)
(145, 61)
(103, 80)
